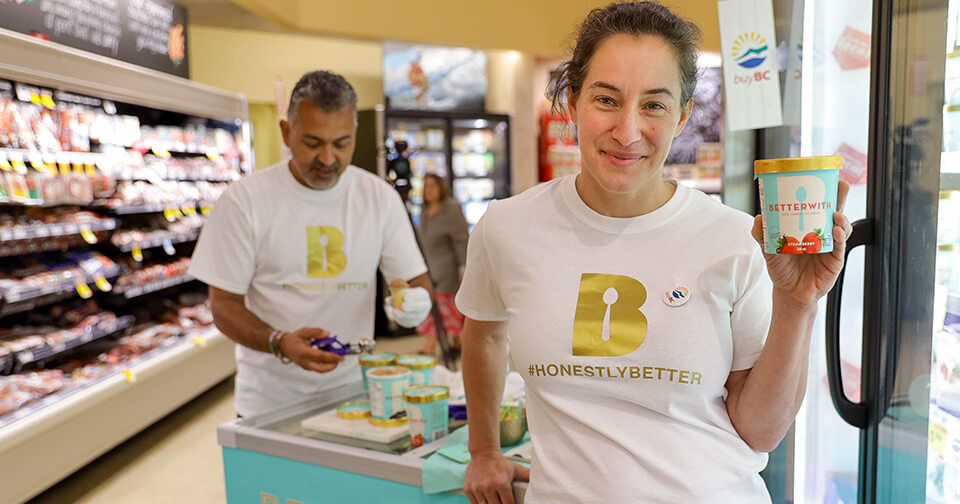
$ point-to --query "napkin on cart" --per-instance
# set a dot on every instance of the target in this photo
(440, 474)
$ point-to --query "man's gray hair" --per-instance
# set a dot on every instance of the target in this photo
(327, 91)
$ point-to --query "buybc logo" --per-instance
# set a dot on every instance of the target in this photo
(325, 256)
(750, 50)
(608, 321)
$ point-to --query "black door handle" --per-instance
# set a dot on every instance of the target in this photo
(854, 413)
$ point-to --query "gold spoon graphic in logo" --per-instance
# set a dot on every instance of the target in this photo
(324, 241)
(610, 297)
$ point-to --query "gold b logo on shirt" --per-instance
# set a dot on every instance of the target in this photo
(608, 321)
(325, 257)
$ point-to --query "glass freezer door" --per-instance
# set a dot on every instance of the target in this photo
(426, 140)
(898, 234)
(480, 164)
(831, 41)
(872, 86)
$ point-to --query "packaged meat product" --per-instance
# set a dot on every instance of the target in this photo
(41, 382)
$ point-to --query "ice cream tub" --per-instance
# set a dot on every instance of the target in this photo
(387, 384)
(798, 197)
(373, 360)
(428, 413)
(421, 365)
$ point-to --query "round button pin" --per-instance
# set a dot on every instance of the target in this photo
(678, 296)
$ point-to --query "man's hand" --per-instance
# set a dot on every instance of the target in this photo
(416, 306)
(296, 346)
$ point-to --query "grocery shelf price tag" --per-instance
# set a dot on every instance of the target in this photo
(64, 168)
(47, 101)
(168, 247)
(91, 170)
(205, 210)
(34, 98)
(19, 166)
(39, 166)
(4, 164)
(137, 254)
(103, 284)
(160, 152)
(131, 376)
(88, 236)
(84, 290)
(199, 341)
(170, 215)
(189, 210)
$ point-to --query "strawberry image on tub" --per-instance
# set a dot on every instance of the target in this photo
(798, 197)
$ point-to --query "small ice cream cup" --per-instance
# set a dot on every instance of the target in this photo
(421, 365)
(387, 384)
(354, 410)
(373, 360)
(798, 197)
(428, 412)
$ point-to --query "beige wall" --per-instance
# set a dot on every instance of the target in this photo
(267, 141)
(508, 92)
(538, 27)
(250, 61)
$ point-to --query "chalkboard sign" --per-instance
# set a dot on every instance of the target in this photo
(150, 33)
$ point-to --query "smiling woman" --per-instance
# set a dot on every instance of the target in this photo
(629, 88)
(620, 271)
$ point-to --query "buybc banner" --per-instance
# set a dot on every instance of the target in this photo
(749, 64)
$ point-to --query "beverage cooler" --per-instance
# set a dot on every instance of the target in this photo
(881, 418)
(471, 152)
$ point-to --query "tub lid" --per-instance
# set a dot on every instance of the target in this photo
(387, 373)
(377, 359)
(426, 393)
(797, 164)
(416, 361)
(354, 410)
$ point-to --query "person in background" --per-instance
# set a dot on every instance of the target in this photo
(443, 238)
(663, 353)
(291, 253)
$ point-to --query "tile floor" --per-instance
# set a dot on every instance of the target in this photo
(176, 459)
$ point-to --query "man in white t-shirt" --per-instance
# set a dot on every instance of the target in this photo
(291, 253)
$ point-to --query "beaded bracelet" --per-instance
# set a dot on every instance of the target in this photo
(283, 358)
(273, 336)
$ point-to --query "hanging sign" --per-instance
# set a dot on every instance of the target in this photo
(149, 33)
(750, 75)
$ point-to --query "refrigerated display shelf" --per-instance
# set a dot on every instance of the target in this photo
(80, 424)
(159, 242)
(183, 149)
(47, 352)
(83, 158)
(186, 178)
(28, 298)
(147, 288)
(152, 207)
(21, 233)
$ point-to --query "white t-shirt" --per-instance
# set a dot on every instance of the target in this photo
(625, 393)
(304, 258)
